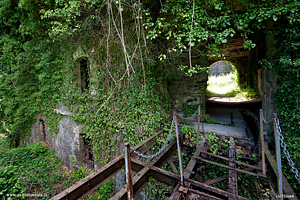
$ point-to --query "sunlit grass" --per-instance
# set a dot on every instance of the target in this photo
(227, 86)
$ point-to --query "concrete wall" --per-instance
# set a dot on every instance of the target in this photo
(67, 142)
(188, 90)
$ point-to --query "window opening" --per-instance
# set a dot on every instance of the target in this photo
(84, 72)
(41, 130)
(88, 158)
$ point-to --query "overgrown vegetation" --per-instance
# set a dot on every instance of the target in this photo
(130, 46)
(226, 85)
(32, 170)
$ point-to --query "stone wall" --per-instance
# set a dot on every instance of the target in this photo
(188, 90)
(67, 142)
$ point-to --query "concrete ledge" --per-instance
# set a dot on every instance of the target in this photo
(236, 132)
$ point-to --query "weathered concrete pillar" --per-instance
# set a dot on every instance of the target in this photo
(269, 85)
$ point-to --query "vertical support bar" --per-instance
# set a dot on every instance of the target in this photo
(232, 174)
(128, 172)
(179, 149)
(198, 130)
(278, 157)
(262, 143)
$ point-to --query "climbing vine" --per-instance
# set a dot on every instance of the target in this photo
(132, 46)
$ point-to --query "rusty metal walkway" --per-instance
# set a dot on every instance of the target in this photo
(87, 185)
(186, 187)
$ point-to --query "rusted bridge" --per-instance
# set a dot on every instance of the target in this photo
(186, 187)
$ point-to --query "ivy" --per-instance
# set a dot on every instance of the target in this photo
(132, 48)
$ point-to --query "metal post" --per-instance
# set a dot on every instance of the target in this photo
(179, 150)
(278, 157)
(198, 131)
(262, 143)
(128, 171)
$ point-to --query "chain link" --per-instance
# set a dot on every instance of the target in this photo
(190, 116)
(262, 116)
(162, 149)
(287, 154)
(201, 121)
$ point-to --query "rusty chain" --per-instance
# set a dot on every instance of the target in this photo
(168, 138)
(201, 123)
(190, 116)
(162, 149)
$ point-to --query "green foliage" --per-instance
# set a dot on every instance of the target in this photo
(78, 173)
(227, 85)
(38, 40)
(285, 62)
(29, 170)
(104, 192)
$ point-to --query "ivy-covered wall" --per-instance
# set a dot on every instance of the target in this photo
(66, 143)
(132, 47)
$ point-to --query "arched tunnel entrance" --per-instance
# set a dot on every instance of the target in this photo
(231, 101)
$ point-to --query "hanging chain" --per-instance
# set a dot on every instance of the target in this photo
(201, 121)
(287, 154)
(262, 116)
(190, 116)
(162, 149)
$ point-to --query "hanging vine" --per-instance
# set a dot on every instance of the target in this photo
(131, 46)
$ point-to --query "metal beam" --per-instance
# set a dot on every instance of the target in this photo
(193, 161)
(225, 177)
(232, 176)
(146, 144)
(237, 162)
(128, 172)
(90, 183)
(141, 178)
(139, 181)
(228, 167)
(95, 179)
(188, 170)
(169, 178)
(273, 171)
(203, 194)
(173, 166)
